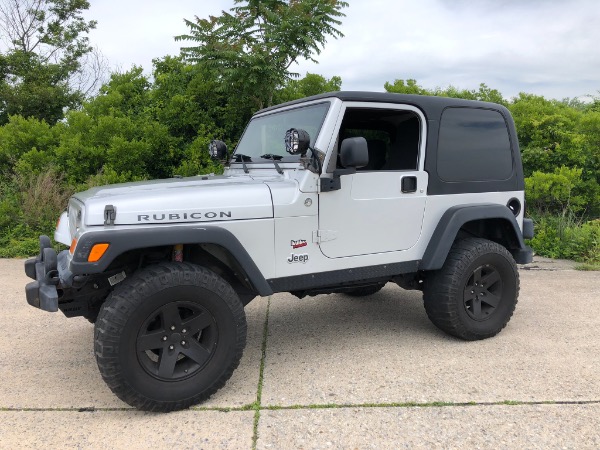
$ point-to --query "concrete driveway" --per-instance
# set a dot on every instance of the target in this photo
(328, 372)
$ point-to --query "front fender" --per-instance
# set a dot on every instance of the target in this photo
(121, 241)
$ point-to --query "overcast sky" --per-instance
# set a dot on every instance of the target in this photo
(547, 47)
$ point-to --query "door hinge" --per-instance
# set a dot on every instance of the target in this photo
(330, 184)
(324, 236)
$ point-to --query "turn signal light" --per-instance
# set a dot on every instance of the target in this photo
(97, 252)
(73, 244)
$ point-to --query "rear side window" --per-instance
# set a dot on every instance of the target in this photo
(473, 146)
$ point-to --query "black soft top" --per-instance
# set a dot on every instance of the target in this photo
(430, 105)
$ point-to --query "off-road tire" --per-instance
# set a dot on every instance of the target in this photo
(169, 337)
(364, 291)
(474, 294)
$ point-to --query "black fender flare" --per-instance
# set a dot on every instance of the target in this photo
(454, 218)
(121, 241)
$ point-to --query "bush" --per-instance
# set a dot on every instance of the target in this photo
(19, 242)
(43, 197)
(559, 192)
(567, 238)
(21, 136)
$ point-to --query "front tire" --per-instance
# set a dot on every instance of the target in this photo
(169, 337)
(474, 294)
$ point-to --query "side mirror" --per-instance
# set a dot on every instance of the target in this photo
(217, 150)
(296, 141)
(354, 152)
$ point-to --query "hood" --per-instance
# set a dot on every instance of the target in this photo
(178, 200)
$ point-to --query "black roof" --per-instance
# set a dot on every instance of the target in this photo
(424, 102)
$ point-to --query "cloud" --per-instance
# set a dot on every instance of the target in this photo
(137, 31)
(547, 47)
(512, 45)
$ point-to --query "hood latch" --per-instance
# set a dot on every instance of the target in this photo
(110, 214)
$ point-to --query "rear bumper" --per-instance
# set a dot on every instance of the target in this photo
(527, 229)
(45, 269)
(523, 255)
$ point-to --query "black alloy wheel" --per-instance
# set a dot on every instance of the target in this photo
(483, 292)
(474, 294)
(177, 340)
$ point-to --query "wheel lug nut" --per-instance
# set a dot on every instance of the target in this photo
(164, 338)
(171, 347)
(472, 292)
(172, 327)
(184, 330)
(182, 342)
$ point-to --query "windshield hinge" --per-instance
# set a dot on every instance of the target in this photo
(324, 236)
(110, 214)
(335, 184)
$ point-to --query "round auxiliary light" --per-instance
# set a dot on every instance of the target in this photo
(296, 141)
(212, 149)
(217, 149)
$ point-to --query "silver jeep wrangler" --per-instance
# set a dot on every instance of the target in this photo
(337, 193)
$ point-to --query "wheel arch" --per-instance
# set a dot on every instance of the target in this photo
(490, 221)
(218, 242)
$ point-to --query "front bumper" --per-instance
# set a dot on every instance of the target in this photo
(43, 293)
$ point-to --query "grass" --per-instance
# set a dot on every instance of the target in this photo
(257, 405)
(588, 267)
(257, 408)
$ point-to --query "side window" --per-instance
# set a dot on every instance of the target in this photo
(473, 146)
(392, 136)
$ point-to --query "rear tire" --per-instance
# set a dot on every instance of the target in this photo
(169, 337)
(474, 294)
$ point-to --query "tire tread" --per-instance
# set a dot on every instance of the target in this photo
(443, 287)
(129, 295)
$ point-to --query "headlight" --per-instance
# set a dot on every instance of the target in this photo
(62, 233)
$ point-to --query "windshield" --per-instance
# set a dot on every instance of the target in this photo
(264, 137)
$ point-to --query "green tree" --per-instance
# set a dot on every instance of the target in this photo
(31, 88)
(255, 44)
(45, 40)
(555, 133)
(311, 84)
(410, 86)
(21, 136)
(186, 97)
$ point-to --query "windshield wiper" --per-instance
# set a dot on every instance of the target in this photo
(274, 158)
(238, 157)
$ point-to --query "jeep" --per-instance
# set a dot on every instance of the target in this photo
(336, 193)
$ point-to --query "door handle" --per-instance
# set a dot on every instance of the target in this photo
(408, 184)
